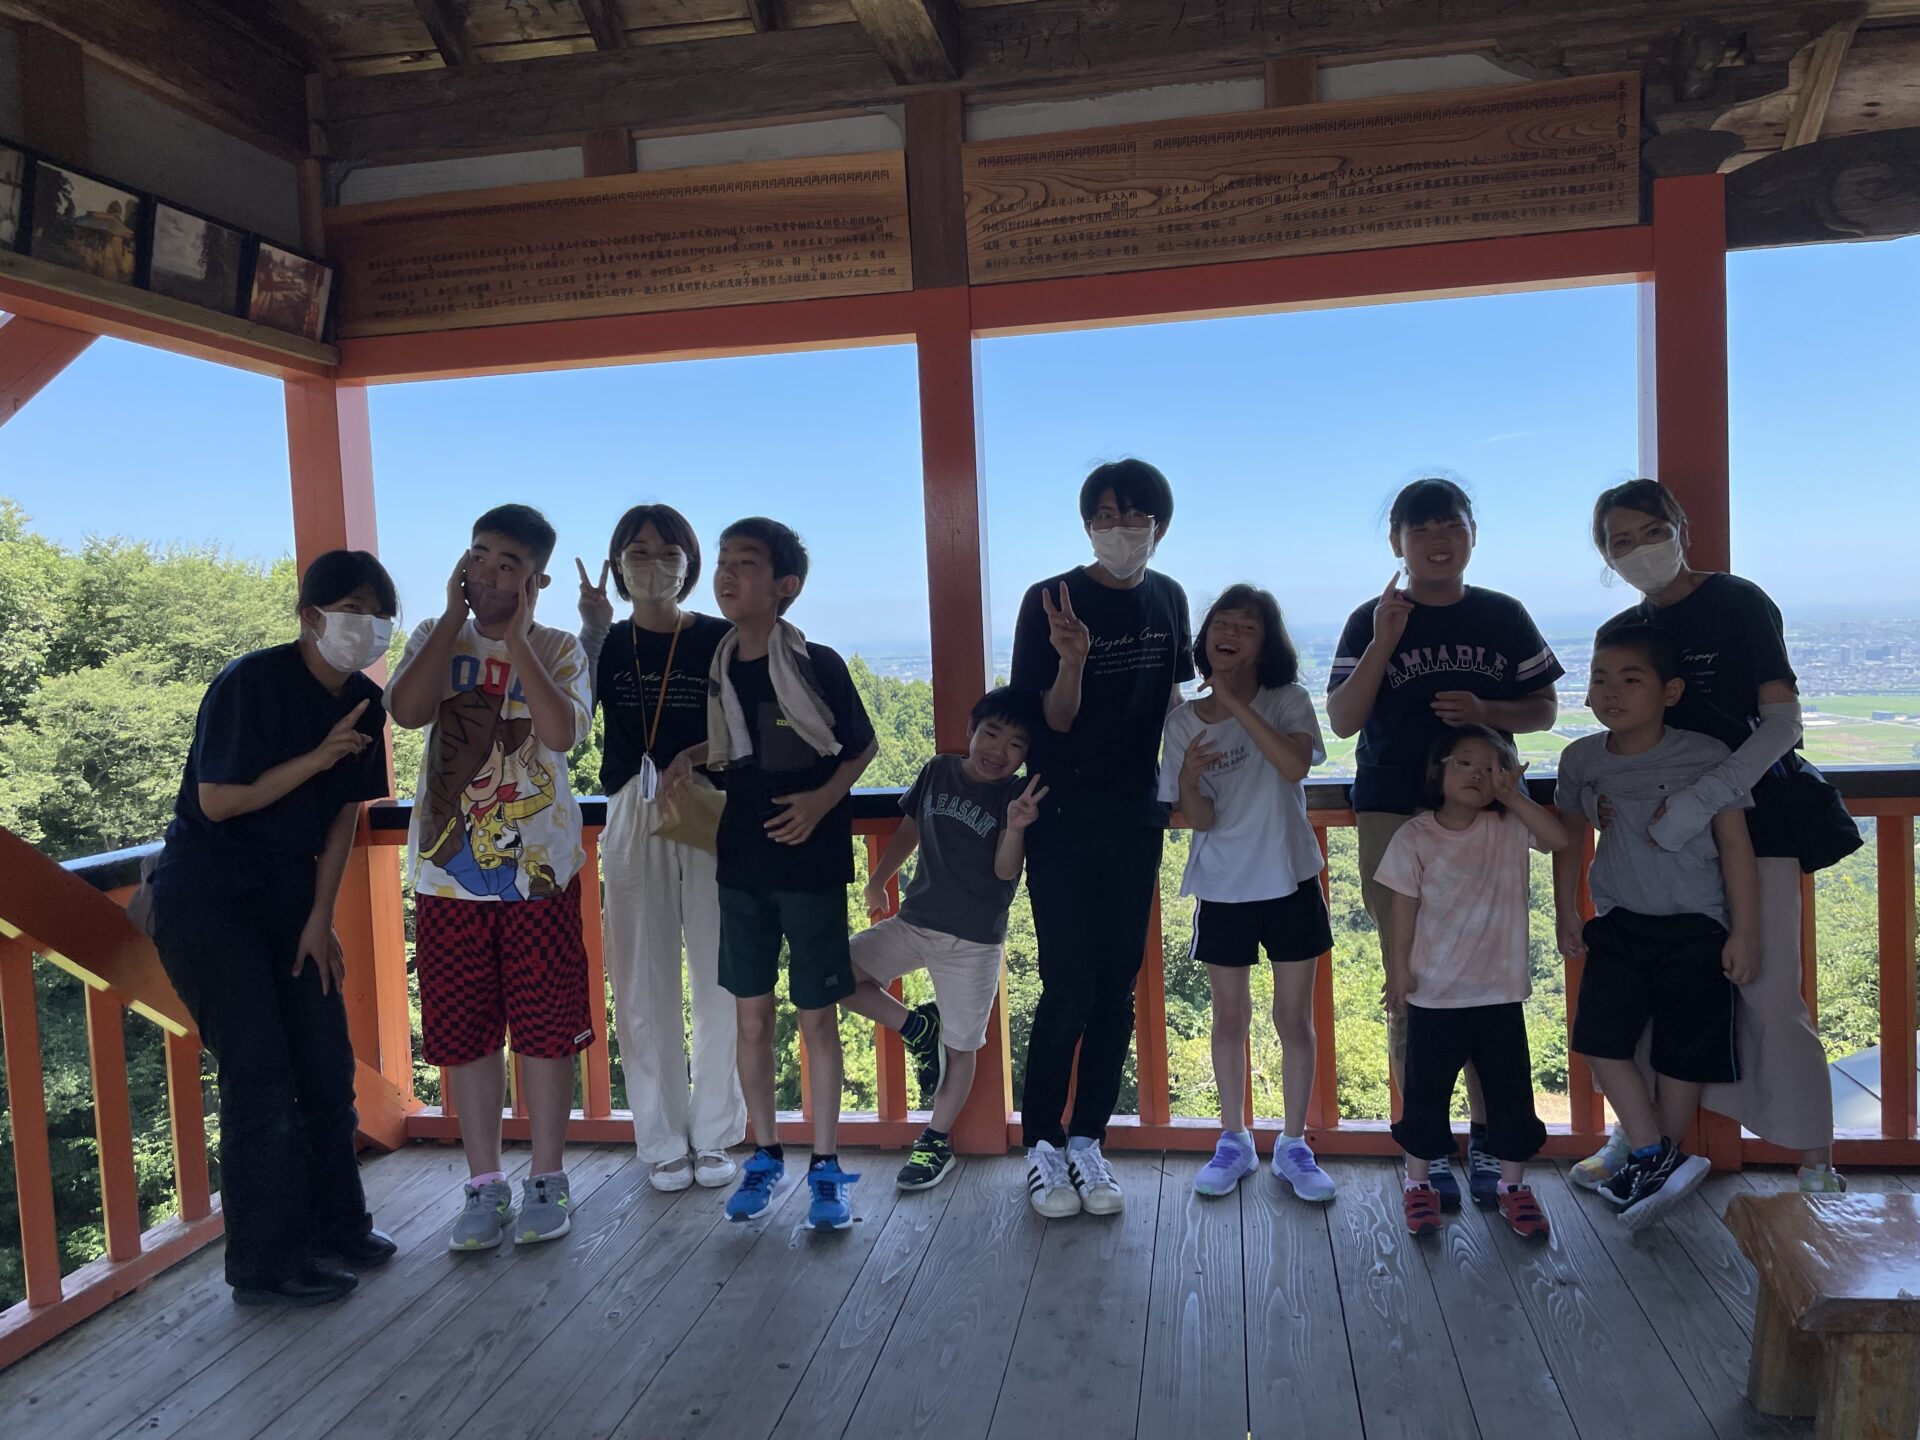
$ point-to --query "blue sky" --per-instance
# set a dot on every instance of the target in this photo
(1284, 437)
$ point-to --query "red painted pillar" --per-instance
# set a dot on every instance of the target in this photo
(957, 599)
(1683, 358)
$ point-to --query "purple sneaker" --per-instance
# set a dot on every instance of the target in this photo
(1232, 1159)
(1294, 1163)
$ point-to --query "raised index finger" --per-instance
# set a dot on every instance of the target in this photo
(606, 569)
(1392, 585)
(352, 717)
(1066, 601)
(581, 566)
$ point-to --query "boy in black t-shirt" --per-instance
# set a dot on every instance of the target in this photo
(1107, 645)
(968, 817)
(789, 737)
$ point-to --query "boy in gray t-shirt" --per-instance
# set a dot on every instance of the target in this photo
(968, 817)
(1673, 933)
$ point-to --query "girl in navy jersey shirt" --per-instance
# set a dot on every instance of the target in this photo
(1412, 664)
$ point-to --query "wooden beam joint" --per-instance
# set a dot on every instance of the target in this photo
(603, 23)
(446, 22)
(919, 39)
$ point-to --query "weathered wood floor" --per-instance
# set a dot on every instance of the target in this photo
(952, 1314)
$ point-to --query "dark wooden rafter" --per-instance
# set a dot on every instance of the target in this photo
(919, 39)
(604, 23)
(219, 72)
(1698, 58)
(765, 14)
(446, 22)
(1851, 187)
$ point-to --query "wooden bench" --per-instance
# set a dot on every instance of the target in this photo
(1836, 1326)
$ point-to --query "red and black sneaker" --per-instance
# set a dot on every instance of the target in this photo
(1523, 1214)
(1423, 1209)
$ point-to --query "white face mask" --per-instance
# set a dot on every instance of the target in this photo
(351, 642)
(1122, 551)
(654, 580)
(1651, 568)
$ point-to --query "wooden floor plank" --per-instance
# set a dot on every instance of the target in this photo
(1409, 1380)
(121, 1381)
(736, 1369)
(1087, 1299)
(468, 1309)
(1706, 1344)
(1195, 1381)
(1300, 1376)
(945, 1356)
(1509, 1382)
(823, 1402)
(1613, 1372)
(584, 1380)
(1710, 1245)
(287, 1349)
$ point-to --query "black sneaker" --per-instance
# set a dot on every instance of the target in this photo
(929, 1054)
(1483, 1171)
(1440, 1176)
(930, 1162)
(1661, 1183)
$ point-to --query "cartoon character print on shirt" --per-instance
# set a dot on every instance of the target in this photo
(480, 847)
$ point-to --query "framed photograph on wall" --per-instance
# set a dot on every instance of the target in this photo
(196, 259)
(15, 166)
(289, 291)
(85, 223)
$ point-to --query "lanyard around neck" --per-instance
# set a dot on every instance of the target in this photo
(666, 675)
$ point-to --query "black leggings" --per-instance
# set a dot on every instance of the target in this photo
(1440, 1043)
(289, 1183)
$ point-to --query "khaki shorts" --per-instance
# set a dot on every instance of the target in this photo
(966, 973)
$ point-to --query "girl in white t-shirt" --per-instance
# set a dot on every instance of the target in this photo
(1458, 965)
(1235, 759)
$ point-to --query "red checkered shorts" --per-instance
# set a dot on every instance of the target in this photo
(490, 966)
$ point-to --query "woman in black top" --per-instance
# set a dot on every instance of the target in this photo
(650, 676)
(287, 744)
(1741, 690)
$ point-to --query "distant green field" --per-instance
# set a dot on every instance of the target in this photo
(1862, 706)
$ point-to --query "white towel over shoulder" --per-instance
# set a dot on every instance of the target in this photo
(729, 736)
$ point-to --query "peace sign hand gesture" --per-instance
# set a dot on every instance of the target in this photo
(596, 610)
(1024, 808)
(1069, 634)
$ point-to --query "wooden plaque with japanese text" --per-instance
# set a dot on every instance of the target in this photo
(623, 244)
(1356, 175)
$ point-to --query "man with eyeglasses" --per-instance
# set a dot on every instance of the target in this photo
(1107, 644)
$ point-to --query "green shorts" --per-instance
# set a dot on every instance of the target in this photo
(814, 925)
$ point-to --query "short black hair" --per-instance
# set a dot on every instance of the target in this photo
(1649, 497)
(334, 576)
(674, 530)
(1021, 709)
(522, 523)
(1434, 794)
(1431, 498)
(1279, 661)
(1650, 642)
(1134, 483)
(784, 549)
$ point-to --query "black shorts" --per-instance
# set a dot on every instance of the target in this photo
(814, 925)
(1664, 969)
(1292, 927)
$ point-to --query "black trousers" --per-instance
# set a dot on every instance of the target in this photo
(1092, 892)
(227, 933)
(1439, 1044)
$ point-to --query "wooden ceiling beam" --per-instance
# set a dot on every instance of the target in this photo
(919, 39)
(604, 23)
(446, 22)
(765, 14)
(1815, 94)
(1045, 46)
(175, 48)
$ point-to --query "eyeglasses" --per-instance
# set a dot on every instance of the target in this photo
(1126, 520)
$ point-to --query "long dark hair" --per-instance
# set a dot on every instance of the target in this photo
(1279, 661)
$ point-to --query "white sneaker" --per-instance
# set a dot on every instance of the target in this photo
(1093, 1178)
(1294, 1163)
(714, 1168)
(671, 1175)
(1050, 1188)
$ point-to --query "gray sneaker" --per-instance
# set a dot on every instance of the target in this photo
(483, 1223)
(544, 1205)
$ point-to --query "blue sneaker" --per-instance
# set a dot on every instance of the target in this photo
(832, 1207)
(1441, 1177)
(1483, 1171)
(1233, 1160)
(757, 1179)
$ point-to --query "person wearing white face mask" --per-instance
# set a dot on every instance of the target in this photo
(660, 895)
(1741, 690)
(288, 742)
(1107, 645)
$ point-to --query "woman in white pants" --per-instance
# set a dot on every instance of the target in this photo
(660, 900)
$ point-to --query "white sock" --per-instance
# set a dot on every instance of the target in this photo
(1299, 1139)
(1081, 1142)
